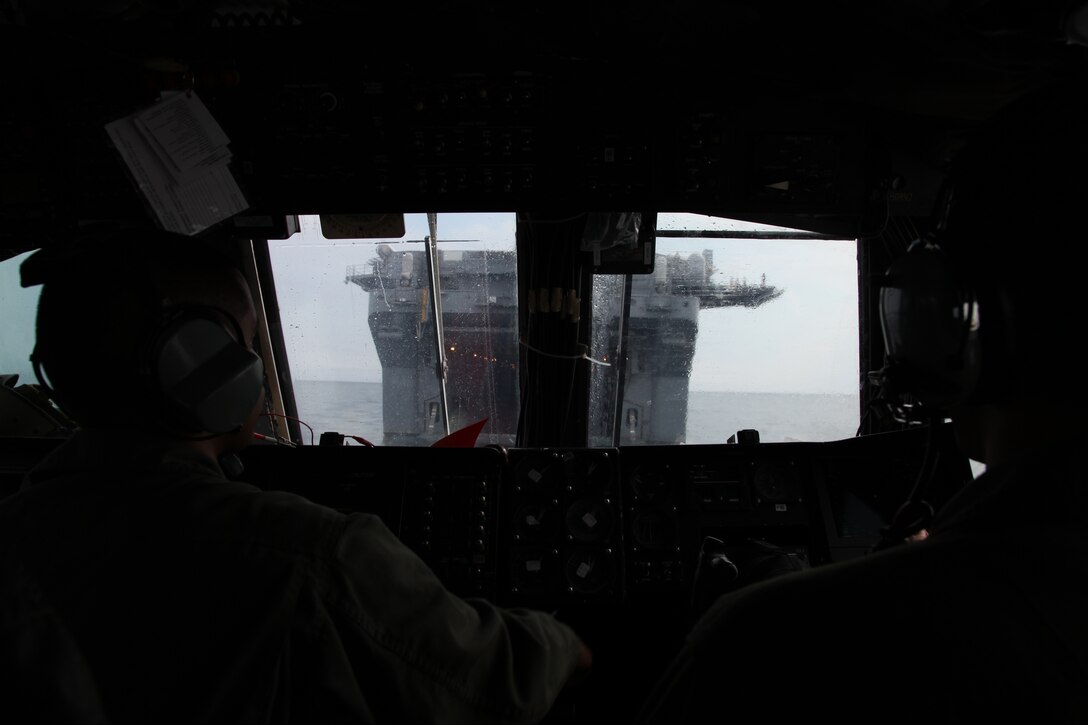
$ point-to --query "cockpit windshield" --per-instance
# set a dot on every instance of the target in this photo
(17, 333)
(358, 320)
(740, 326)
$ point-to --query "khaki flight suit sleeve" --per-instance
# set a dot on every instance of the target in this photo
(421, 654)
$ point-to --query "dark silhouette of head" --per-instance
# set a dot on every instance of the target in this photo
(142, 329)
(981, 312)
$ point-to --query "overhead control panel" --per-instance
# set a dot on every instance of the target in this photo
(473, 138)
(316, 127)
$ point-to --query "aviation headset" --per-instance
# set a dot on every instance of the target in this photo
(979, 333)
(196, 361)
(952, 333)
(949, 331)
(192, 361)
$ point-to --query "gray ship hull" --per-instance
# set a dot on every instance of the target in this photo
(479, 316)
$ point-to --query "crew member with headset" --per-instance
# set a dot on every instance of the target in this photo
(985, 619)
(196, 599)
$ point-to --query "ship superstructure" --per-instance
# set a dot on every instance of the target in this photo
(480, 333)
(659, 344)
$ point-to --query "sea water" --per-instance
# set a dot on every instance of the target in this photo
(354, 408)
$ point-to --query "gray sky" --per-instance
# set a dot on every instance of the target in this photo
(806, 341)
(17, 329)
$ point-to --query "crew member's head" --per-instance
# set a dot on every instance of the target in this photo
(980, 318)
(149, 331)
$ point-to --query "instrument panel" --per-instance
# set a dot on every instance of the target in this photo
(570, 528)
(735, 495)
(593, 529)
(627, 545)
(564, 535)
(579, 529)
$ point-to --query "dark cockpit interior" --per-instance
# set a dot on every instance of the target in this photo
(818, 122)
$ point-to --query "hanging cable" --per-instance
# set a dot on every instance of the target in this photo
(275, 439)
(583, 356)
(288, 417)
(915, 515)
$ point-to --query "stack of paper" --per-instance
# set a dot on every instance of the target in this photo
(178, 156)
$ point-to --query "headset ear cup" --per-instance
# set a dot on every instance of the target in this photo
(208, 380)
(930, 319)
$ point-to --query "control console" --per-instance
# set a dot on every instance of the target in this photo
(564, 526)
(748, 501)
(595, 528)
